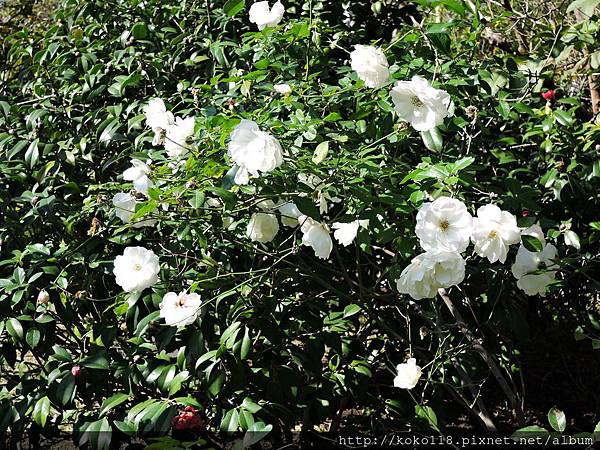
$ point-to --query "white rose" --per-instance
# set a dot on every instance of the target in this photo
(429, 272)
(316, 235)
(534, 271)
(494, 231)
(263, 16)
(370, 65)
(180, 309)
(136, 269)
(283, 89)
(178, 135)
(253, 150)
(289, 214)
(423, 106)
(408, 374)
(158, 118)
(124, 204)
(444, 225)
(262, 227)
(138, 174)
(345, 233)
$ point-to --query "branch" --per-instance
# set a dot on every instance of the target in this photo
(485, 355)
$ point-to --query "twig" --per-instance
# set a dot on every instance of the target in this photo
(485, 355)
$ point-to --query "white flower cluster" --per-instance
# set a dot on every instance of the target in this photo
(445, 228)
(264, 226)
(415, 101)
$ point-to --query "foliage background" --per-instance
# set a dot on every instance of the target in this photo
(288, 342)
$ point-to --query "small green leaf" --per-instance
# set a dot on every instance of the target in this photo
(139, 30)
(232, 7)
(246, 344)
(41, 411)
(15, 329)
(66, 389)
(33, 337)
(585, 6)
(532, 431)
(197, 200)
(321, 152)
(531, 243)
(557, 419)
(351, 310)
(255, 433)
(433, 140)
(572, 239)
(112, 402)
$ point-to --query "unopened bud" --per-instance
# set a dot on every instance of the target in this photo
(43, 297)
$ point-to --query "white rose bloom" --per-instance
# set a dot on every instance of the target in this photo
(262, 227)
(253, 150)
(138, 174)
(345, 233)
(534, 271)
(178, 135)
(289, 214)
(158, 118)
(444, 225)
(263, 16)
(124, 204)
(429, 272)
(316, 235)
(423, 106)
(136, 269)
(181, 309)
(408, 374)
(494, 231)
(370, 65)
(283, 89)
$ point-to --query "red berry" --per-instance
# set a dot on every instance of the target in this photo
(525, 213)
(75, 371)
(549, 94)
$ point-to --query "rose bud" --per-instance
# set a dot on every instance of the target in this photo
(549, 94)
(75, 371)
(43, 297)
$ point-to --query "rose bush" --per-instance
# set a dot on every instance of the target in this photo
(233, 220)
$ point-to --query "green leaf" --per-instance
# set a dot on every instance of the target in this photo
(98, 361)
(564, 118)
(321, 152)
(426, 412)
(255, 433)
(532, 431)
(557, 419)
(33, 337)
(232, 7)
(112, 402)
(230, 421)
(433, 140)
(246, 344)
(585, 6)
(531, 243)
(139, 30)
(572, 239)
(197, 200)
(41, 411)
(66, 389)
(14, 328)
(351, 310)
